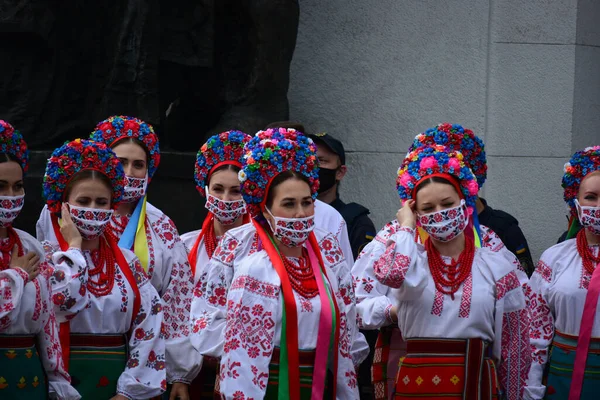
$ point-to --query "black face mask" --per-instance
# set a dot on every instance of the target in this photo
(326, 179)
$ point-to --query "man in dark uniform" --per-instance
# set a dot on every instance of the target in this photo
(332, 168)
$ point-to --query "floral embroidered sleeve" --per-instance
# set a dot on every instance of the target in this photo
(542, 328)
(403, 265)
(252, 312)
(68, 279)
(512, 330)
(208, 311)
(145, 376)
(12, 284)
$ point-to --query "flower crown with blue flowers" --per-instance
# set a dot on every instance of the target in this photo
(425, 161)
(582, 163)
(224, 148)
(73, 157)
(12, 142)
(119, 127)
(271, 152)
(457, 138)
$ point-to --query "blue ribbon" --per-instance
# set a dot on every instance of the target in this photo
(128, 236)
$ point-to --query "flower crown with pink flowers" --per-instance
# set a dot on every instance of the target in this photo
(457, 138)
(224, 148)
(582, 163)
(73, 157)
(268, 154)
(119, 127)
(426, 161)
(12, 142)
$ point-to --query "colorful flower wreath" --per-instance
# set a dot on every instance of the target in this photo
(12, 142)
(425, 161)
(271, 152)
(115, 128)
(224, 148)
(457, 138)
(73, 157)
(582, 163)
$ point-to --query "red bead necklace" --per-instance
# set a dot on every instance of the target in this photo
(589, 260)
(210, 240)
(6, 247)
(101, 276)
(118, 224)
(302, 276)
(449, 277)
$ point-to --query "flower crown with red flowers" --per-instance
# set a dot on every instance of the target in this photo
(268, 154)
(119, 127)
(424, 162)
(12, 142)
(224, 148)
(582, 163)
(457, 138)
(73, 157)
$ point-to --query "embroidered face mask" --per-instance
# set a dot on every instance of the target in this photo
(225, 211)
(135, 188)
(292, 232)
(589, 217)
(10, 207)
(91, 222)
(447, 224)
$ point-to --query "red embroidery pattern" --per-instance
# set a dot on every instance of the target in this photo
(178, 300)
(255, 286)
(585, 277)
(225, 251)
(542, 324)
(390, 269)
(367, 284)
(259, 379)
(491, 240)
(250, 328)
(467, 294)
(331, 251)
(438, 304)
(507, 283)
(38, 301)
(544, 271)
(151, 255)
(122, 289)
(516, 354)
(166, 231)
(388, 230)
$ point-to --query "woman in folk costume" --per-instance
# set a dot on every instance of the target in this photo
(376, 301)
(461, 309)
(565, 334)
(284, 327)
(110, 313)
(216, 174)
(139, 226)
(31, 365)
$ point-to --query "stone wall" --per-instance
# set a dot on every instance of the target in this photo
(522, 75)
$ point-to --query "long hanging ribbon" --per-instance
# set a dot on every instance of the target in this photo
(585, 334)
(64, 333)
(134, 236)
(193, 256)
(289, 365)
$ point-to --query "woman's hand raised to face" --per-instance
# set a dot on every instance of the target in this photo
(68, 229)
(406, 215)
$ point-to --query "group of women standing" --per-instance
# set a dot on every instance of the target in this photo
(109, 302)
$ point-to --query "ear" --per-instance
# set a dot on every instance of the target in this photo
(341, 172)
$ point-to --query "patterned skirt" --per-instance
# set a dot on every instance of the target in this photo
(560, 368)
(389, 349)
(96, 363)
(22, 375)
(446, 369)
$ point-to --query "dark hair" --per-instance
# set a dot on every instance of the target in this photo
(6, 157)
(279, 179)
(287, 125)
(83, 175)
(433, 179)
(224, 167)
(134, 141)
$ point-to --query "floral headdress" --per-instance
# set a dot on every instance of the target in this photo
(271, 152)
(12, 142)
(424, 162)
(457, 138)
(73, 157)
(224, 148)
(115, 128)
(582, 163)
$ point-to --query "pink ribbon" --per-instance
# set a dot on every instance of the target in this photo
(325, 327)
(585, 335)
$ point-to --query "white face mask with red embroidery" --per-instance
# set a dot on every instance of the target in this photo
(589, 217)
(225, 211)
(447, 224)
(10, 207)
(292, 232)
(135, 188)
(91, 222)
